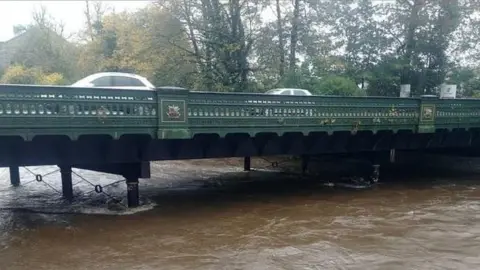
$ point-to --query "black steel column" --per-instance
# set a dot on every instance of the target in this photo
(15, 176)
(246, 164)
(132, 192)
(376, 173)
(305, 161)
(67, 186)
(392, 155)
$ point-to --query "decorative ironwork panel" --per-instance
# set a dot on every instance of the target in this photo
(86, 110)
(458, 113)
(215, 111)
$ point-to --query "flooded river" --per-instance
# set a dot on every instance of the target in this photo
(263, 220)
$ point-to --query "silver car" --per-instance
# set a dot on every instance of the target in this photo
(117, 80)
(289, 92)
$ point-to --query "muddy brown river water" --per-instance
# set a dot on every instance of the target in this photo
(264, 220)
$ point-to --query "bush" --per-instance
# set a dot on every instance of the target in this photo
(18, 74)
(51, 79)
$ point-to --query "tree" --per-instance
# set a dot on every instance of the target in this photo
(150, 42)
(337, 85)
(42, 44)
(422, 30)
(222, 36)
(94, 12)
(292, 59)
(385, 77)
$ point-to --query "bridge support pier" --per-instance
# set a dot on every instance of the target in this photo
(14, 176)
(305, 161)
(247, 164)
(131, 172)
(376, 173)
(392, 155)
(133, 198)
(67, 186)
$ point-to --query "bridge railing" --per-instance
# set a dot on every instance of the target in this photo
(457, 113)
(30, 111)
(254, 113)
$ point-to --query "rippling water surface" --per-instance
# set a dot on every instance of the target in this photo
(263, 221)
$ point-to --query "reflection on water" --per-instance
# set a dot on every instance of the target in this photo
(265, 221)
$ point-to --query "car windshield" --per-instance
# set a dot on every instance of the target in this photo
(113, 80)
(81, 82)
(273, 91)
(296, 91)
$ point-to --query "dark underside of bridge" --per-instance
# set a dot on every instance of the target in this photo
(129, 156)
(55, 150)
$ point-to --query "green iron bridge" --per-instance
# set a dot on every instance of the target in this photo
(121, 131)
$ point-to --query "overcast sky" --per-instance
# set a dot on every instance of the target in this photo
(69, 12)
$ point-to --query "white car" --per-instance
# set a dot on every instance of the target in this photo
(289, 92)
(117, 80)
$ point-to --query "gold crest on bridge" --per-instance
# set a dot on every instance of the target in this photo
(428, 113)
(173, 110)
